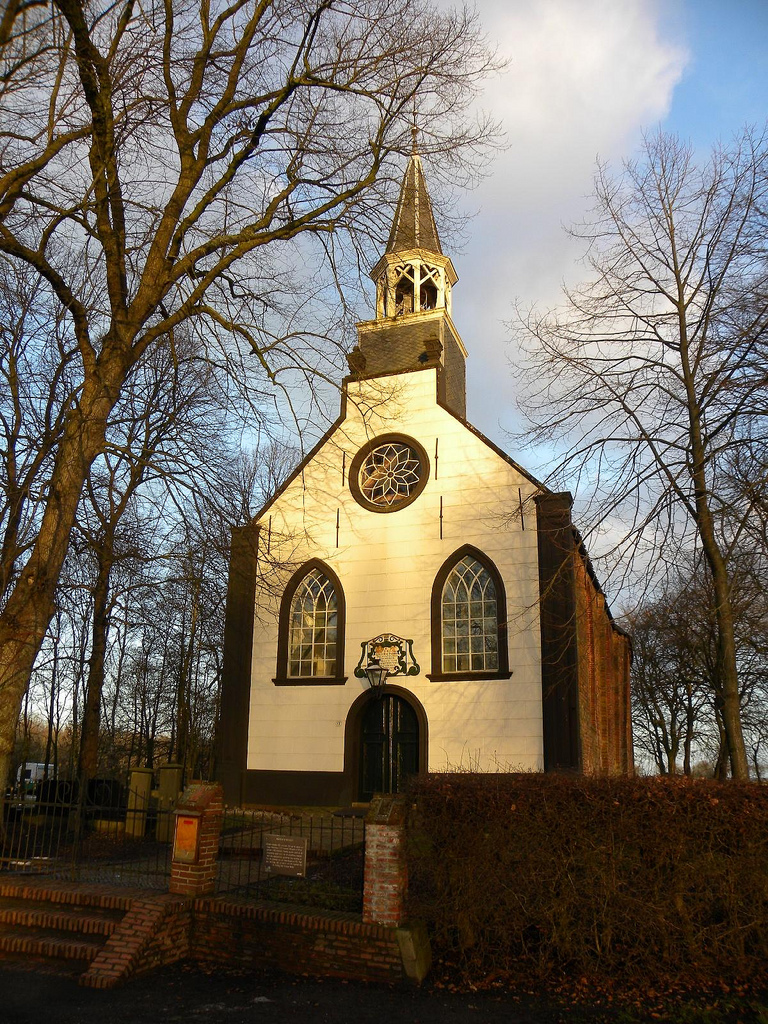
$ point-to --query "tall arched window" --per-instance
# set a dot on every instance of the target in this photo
(311, 632)
(469, 636)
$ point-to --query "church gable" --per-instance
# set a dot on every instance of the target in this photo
(457, 466)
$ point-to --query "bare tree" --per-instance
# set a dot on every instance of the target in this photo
(36, 387)
(130, 670)
(673, 668)
(165, 164)
(677, 709)
(166, 431)
(654, 372)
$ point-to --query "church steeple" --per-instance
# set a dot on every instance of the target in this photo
(413, 275)
(414, 280)
(414, 224)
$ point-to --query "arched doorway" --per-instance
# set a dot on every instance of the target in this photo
(389, 745)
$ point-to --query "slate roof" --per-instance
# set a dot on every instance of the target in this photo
(414, 224)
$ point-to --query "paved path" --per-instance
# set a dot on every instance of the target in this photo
(186, 994)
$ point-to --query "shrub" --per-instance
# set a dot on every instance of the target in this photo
(536, 877)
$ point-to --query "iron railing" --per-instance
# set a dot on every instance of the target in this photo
(334, 864)
(127, 843)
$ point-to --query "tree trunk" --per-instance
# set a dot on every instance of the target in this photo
(183, 746)
(690, 719)
(31, 604)
(727, 669)
(47, 760)
(721, 764)
(89, 735)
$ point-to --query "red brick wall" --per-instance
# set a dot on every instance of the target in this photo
(603, 660)
(154, 931)
(161, 929)
(170, 943)
(232, 932)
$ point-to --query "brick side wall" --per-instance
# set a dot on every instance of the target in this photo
(559, 645)
(603, 666)
(154, 931)
(293, 939)
(232, 727)
(170, 943)
(585, 659)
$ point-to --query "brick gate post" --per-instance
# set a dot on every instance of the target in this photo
(385, 882)
(198, 819)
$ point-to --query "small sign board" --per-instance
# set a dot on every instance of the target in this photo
(285, 855)
(186, 838)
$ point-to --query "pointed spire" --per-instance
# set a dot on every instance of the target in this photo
(414, 224)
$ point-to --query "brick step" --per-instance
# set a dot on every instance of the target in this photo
(62, 917)
(48, 943)
(43, 965)
(65, 894)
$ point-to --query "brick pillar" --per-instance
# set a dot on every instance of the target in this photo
(386, 880)
(198, 819)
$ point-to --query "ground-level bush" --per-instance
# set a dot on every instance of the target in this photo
(533, 877)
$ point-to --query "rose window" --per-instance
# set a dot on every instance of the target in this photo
(389, 473)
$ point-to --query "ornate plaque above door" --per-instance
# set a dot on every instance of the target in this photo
(392, 652)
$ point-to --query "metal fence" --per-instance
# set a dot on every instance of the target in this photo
(127, 843)
(335, 851)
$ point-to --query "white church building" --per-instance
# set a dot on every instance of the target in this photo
(411, 599)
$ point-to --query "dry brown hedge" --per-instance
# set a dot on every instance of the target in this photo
(536, 877)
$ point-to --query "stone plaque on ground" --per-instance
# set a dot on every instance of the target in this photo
(285, 855)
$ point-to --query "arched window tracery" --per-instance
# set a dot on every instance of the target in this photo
(469, 636)
(311, 629)
(469, 619)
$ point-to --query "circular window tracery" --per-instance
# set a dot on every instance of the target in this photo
(388, 473)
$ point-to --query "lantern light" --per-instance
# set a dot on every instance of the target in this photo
(377, 678)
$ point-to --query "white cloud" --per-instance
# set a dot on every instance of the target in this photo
(585, 77)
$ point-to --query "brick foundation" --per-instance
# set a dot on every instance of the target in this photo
(248, 933)
(153, 929)
(148, 929)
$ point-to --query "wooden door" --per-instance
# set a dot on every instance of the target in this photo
(390, 745)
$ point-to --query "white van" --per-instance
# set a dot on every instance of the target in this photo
(30, 773)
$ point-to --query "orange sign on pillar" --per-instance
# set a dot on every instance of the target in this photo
(186, 840)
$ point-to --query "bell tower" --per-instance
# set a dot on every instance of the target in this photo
(413, 329)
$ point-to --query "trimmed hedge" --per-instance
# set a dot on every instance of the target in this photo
(532, 878)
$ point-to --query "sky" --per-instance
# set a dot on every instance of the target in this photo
(585, 79)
